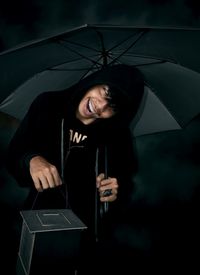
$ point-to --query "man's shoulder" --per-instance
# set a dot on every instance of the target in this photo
(52, 95)
(52, 98)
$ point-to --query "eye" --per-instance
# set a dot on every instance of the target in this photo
(107, 93)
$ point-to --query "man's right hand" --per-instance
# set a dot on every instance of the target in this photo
(44, 174)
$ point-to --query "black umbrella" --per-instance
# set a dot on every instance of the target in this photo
(166, 56)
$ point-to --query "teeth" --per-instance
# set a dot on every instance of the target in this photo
(91, 108)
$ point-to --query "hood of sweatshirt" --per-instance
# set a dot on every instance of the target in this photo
(126, 84)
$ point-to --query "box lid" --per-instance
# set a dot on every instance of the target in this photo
(51, 220)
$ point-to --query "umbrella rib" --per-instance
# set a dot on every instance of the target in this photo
(105, 53)
(75, 60)
(128, 48)
(90, 69)
(143, 64)
(101, 38)
(79, 54)
(151, 57)
(57, 69)
(77, 44)
(150, 63)
(137, 65)
(131, 36)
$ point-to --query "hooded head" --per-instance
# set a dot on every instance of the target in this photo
(125, 85)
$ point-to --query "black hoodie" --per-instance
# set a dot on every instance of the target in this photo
(40, 134)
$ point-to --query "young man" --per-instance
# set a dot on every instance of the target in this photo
(54, 151)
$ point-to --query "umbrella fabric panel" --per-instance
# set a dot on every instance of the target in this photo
(24, 63)
(177, 87)
(152, 116)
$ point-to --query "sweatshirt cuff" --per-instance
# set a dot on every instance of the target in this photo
(28, 158)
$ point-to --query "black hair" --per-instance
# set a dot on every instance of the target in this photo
(117, 100)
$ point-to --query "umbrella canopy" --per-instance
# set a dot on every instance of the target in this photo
(166, 57)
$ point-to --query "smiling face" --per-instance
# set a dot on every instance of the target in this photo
(95, 105)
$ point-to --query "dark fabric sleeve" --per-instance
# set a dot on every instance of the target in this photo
(25, 142)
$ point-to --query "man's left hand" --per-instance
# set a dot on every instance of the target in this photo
(107, 184)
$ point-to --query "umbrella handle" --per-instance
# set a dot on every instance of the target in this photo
(109, 191)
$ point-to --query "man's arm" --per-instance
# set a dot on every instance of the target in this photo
(25, 142)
